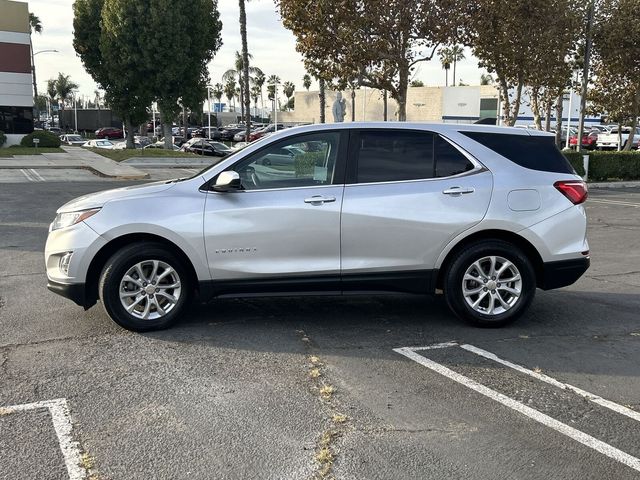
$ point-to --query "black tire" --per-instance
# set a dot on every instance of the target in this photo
(116, 268)
(453, 283)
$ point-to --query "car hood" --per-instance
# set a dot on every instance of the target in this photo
(95, 200)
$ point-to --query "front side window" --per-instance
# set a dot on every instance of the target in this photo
(300, 161)
(389, 156)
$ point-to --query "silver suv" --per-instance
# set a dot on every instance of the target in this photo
(483, 214)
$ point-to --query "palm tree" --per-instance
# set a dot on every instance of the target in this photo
(445, 60)
(244, 86)
(306, 81)
(457, 54)
(272, 88)
(288, 88)
(230, 92)
(255, 94)
(51, 92)
(64, 88)
(259, 80)
(486, 79)
(238, 74)
(218, 91)
(36, 26)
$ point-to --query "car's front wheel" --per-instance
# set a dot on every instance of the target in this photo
(145, 286)
(490, 283)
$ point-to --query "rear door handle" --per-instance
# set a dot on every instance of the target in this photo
(319, 199)
(458, 190)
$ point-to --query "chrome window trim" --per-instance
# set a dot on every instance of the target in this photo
(276, 189)
(476, 170)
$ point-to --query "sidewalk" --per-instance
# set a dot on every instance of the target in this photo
(76, 158)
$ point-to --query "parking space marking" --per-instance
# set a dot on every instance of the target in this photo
(614, 202)
(61, 419)
(577, 435)
(552, 381)
(37, 175)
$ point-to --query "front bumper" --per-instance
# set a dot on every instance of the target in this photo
(73, 291)
(563, 272)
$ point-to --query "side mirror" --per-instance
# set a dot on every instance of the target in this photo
(227, 181)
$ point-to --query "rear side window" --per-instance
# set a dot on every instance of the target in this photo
(449, 160)
(391, 156)
(534, 152)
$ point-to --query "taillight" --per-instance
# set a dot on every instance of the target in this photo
(575, 190)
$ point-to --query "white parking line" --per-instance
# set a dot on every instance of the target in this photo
(63, 427)
(529, 412)
(614, 202)
(37, 175)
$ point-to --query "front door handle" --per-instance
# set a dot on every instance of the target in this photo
(319, 199)
(458, 190)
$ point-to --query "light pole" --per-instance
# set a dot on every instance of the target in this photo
(33, 74)
(209, 110)
(75, 112)
(578, 134)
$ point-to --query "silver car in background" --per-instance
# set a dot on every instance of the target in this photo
(483, 214)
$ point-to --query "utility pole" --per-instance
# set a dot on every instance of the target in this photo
(585, 73)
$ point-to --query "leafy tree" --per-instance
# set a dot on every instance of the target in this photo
(378, 43)
(306, 81)
(522, 42)
(416, 83)
(616, 65)
(288, 88)
(193, 43)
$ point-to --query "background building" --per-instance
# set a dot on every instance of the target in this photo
(466, 104)
(16, 94)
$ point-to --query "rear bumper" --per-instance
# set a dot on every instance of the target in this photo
(563, 272)
(73, 291)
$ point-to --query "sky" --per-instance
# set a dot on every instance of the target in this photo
(272, 47)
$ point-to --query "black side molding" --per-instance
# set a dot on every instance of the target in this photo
(563, 272)
(73, 291)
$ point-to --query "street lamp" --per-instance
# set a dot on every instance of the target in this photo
(209, 110)
(33, 74)
(75, 111)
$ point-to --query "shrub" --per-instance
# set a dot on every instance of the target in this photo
(3, 138)
(47, 139)
(604, 166)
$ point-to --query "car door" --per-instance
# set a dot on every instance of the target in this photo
(284, 222)
(408, 193)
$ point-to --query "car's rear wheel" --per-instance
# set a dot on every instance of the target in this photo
(144, 287)
(490, 284)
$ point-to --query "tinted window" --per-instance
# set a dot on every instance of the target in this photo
(449, 160)
(300, 161)
(387, 156)
(534, 152)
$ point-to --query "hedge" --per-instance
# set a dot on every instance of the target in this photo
(47, 139)
(606, 166)
(3, 138)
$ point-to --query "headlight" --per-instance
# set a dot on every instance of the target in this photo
(67, 219)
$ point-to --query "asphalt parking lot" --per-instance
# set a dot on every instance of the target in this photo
(356, 387)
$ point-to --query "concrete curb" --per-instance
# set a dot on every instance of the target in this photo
(622, 184)
(76, 158)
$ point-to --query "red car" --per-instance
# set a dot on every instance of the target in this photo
(589, 140)
(109, 133)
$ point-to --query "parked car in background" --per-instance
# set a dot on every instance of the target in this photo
(142, 140)
(123, 145)
(109, 133)
(73, 139)
(589, 140)
(271, 128)
(610, 141)
(483, 215)
(54, 130)
(99, 143)
(160, 145)
(228, 132)
(212, 133)
(202, 146)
